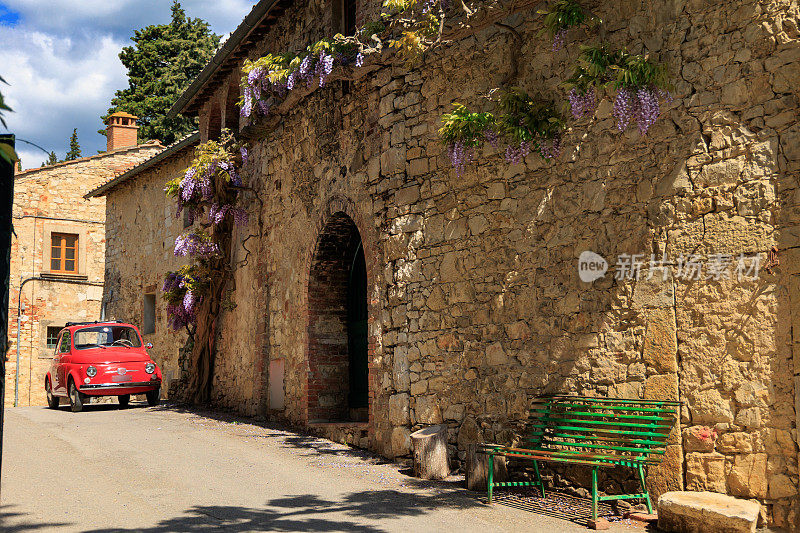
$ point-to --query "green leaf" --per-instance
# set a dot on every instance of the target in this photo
(8, 154)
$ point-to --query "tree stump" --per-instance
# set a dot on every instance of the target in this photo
(477, 473)
(430, 452)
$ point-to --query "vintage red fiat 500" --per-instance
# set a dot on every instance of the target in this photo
(101, 359)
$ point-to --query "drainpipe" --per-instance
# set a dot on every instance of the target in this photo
(19, 314)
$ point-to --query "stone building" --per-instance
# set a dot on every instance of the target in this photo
(141, 224)
(57, 253)
(470, 285)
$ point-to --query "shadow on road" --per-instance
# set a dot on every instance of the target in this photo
(308, 512)
(10, 522)
(290, 436)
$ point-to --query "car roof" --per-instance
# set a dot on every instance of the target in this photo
(79, 325)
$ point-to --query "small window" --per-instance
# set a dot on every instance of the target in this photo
(349, 17)
(149, 316)
(64, 253)
(52, 335)
(344, 16)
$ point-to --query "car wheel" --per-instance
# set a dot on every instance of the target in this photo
(124, 400)
(52, 401)
(153, 397)
(75, 398)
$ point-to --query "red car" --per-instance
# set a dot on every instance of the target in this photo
(101, 359)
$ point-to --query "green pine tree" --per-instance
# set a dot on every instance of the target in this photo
(74, 147)
(163, 61)
(52, 159)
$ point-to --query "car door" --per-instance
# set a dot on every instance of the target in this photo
(54, 364)
(63, 358)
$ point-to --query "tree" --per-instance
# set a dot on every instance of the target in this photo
(163, 61)
(74, 147)
(52, 159)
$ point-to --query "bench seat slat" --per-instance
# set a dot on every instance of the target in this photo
(542, 436)
(542, 421)
(600, 415)
(605, 430)
(621, 401)
(631, 449)
(571, 457)
(616, 408)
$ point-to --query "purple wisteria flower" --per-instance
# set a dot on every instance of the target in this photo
(559, 39)
(582, 103)
(460, 154)
(193, 244)
(515, 154)
(324, 67)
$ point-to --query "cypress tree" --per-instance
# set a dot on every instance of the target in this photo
(74, 147)
(162, 62)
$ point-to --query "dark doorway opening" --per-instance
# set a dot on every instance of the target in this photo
(338, 351)
(357, 347)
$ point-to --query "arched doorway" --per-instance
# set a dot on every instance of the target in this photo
(338, 385)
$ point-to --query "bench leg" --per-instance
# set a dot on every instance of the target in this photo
(538, 477)
(644, 490)
(491, 476)
(594, 493)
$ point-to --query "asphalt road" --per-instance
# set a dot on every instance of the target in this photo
(164, 469)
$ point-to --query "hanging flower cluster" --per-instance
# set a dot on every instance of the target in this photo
(212, 174)
(639, 82)
(196, 244)
(207, 191)
(524, 124)
(274, 75)
(183, 293)
(561, 17)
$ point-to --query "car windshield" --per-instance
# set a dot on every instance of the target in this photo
(106, 336)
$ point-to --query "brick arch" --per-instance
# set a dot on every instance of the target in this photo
(338, 232)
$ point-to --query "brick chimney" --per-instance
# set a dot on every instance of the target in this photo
(121, 131)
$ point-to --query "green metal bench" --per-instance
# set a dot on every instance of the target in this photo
(596, 432)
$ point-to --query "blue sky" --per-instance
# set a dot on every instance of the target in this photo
(60, 58)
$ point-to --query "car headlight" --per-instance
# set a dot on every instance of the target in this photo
(150, 368)
(91, 371)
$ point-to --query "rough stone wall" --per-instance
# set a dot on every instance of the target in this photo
(474, 299)
(47, 200)
(141, 228)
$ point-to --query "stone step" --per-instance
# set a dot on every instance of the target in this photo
(699, 512)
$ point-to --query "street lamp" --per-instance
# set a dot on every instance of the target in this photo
(20, 310)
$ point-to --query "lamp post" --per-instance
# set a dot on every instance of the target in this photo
(20, 310)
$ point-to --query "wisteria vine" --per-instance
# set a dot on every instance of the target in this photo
(563, 16)
(275, 75)
(640, 85)
(523, 124)
(207, 192)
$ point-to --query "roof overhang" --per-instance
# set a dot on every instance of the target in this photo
(171, 150)
(227, 58)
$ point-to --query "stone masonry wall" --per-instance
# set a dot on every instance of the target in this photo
(475, 305)
(141, 228)
(47, 200)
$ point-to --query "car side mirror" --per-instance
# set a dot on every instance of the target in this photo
(148, 345)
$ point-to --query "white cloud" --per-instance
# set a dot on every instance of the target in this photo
(61, 61)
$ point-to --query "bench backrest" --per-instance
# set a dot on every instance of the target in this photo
(637, 429)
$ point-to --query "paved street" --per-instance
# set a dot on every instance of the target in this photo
(163, 469)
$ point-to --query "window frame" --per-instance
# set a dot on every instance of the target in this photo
(145, 330)
(62, 247)
(47, 336)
